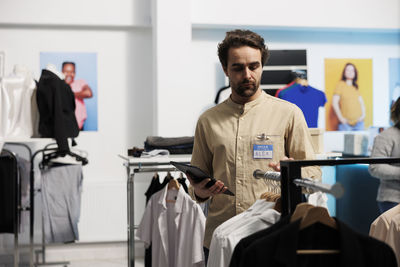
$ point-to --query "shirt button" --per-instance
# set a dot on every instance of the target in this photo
(239, 182)
(238, 204)
(239, 158)
(240, 138)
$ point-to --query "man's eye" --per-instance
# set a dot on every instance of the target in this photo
(237, 69)
(253, 67)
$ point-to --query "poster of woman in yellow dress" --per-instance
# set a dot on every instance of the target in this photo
(348, 87)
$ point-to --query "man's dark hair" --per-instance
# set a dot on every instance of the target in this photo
(68, 62)
(239, 38)
(395, 112)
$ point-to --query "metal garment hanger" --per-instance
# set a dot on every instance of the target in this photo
(55, 153)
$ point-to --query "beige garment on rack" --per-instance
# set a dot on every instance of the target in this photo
(393, 236)
(380, 227)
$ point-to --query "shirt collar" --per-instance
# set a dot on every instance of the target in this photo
(179, 199)
(247, 106)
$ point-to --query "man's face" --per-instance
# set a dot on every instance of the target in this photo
(244, 70)
(69, 72)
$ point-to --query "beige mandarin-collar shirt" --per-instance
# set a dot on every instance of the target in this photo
(223, 147)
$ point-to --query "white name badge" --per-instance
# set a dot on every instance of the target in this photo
(262, 151)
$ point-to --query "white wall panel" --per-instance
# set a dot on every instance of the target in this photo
(362, 14)
(76, 12)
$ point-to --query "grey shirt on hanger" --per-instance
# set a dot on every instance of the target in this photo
(61, 195)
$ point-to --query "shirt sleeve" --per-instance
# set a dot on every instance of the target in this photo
(383, 148)
(82, 83)
(339, 89)
(145, 229)
(198, 236)
(299, 146)
(323, 99)
(201, 155)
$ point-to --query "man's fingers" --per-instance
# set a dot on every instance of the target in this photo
(190, 178)
(275, 166)
(216, 188)
(203, 183)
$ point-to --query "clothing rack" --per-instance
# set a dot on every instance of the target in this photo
(43, 250)
(143, 165)
(313, 186)
(29, 207)
(32, 157)
(16, 210)
(291, 170)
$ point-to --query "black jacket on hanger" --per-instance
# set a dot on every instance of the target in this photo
(279, 248)
(56, 104)
(155, 186)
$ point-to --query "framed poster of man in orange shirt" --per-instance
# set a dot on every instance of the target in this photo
(348, 88)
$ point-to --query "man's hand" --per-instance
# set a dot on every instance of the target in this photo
(202, 192)
(277, 165)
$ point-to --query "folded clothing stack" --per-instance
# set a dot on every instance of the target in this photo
(175, 145)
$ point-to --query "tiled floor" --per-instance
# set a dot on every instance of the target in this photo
(106, 263)
(85, 255)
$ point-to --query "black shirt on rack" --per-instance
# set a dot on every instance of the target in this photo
(244, 243)
(279, 248)
(8, 193)
(182, 181)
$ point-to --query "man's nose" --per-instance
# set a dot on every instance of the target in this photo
(247, 73)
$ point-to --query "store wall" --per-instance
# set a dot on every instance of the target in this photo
(362, 14)
(120, 34)
(75, 12)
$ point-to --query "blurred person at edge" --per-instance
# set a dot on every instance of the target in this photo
(387, 144)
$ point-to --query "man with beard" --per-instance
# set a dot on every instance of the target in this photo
(81, 91)
(248, 131)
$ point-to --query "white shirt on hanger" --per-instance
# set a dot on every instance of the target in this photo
(258, 207)
(318, 199)
(181, 223)
(16, 92)
(259, 216)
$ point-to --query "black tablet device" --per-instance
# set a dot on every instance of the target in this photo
(197, 174)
